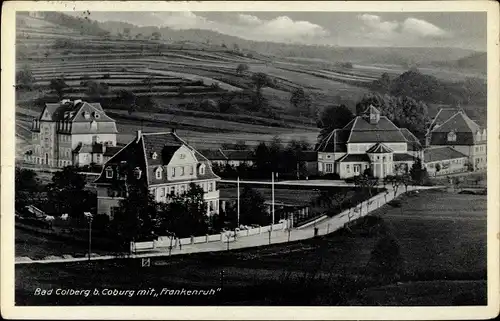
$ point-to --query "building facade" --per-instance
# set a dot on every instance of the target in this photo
(369, 141)
(162, 161)
(444, 161)
(71, 133)
(453, 128)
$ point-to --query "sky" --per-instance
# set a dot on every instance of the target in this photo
(385, 29)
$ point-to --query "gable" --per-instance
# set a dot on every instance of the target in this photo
(182, 156)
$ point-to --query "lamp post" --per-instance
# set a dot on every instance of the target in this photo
(89, 217)
(272, 203)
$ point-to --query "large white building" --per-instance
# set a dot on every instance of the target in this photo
(368, 141)
(453, 128)
(72, 133)
(162, 161)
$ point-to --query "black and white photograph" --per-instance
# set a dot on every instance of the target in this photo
(252, 157)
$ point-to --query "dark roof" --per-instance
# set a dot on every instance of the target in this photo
(379, 148)
(163, 144)
(139, 152)
(443, 115)
(95, 148)
(460, 123)
(240, 155)
(349, 158)
(402, 157)
(435, 154)
(213, 154)
(111, 150)
(335, 142)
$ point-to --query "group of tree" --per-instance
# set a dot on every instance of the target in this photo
(25, 78)
(430, 89)
(404, 111)
(26, 184)
(302, 102)
(333, 117)
(82, 24)
(253, 211)
(277, 157)
(140, 217)
(67, 194)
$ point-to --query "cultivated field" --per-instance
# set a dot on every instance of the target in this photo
(442, 238)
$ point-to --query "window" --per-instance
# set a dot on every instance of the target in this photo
(452, 136)
(329, 168)
(162, 192)
(348, 167)
(158, 173)
(182, 189)
(383, 158)
(328, 156)
(356, 168)
(109, 172)
(154, 156)
(182, 171)
(210, 187)
(182, 156)
(173, 171)
(191, 170)
(378, 157)
(202, 169)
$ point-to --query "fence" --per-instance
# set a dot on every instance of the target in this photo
(164, 242)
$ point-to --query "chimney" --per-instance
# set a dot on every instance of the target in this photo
(173, 131)
(139, 134)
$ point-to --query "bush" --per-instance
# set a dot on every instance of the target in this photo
(395, 203)
(333, 176)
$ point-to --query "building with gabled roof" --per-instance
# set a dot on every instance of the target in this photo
(371, 141)
(461, 133)
(444, 160)
(71, 133)
(164, 162)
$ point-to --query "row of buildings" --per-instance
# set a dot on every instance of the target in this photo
(80, 133)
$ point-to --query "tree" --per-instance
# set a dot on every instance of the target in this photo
(26, 183)
(333, 117)
(301, 100)
(24, 78)
(126, 32)
(418, 172)
(136, 218)
(96, 89)
(241, 68)
(138, 36)
(383, 84)
(262, 158)
(58, 85)
(394, 181)
(185, 214)
(438, 168)
(156, 35)
(68, 195)
(334, 198)
(252, 208)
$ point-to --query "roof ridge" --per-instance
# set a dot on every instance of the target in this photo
(352, 129)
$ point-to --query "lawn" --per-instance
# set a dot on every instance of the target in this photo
(438, 251)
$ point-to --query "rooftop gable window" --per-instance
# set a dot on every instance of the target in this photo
(158, 172)
(154, 155)
(202, 169)
(452, 136)
(109, 172)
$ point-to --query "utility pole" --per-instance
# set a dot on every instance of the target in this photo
(238, 206)
(272, 204)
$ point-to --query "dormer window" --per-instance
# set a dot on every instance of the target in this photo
(158, 172)
(96, 115)
(452, 137)
(109, 172)
(154, 155)
(202, 169)
(137, 173)
(86, 115)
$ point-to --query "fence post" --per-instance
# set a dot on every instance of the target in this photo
(260, 229)
(207, 239)
(132, 247)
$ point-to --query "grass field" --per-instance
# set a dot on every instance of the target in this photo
(445, 250)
